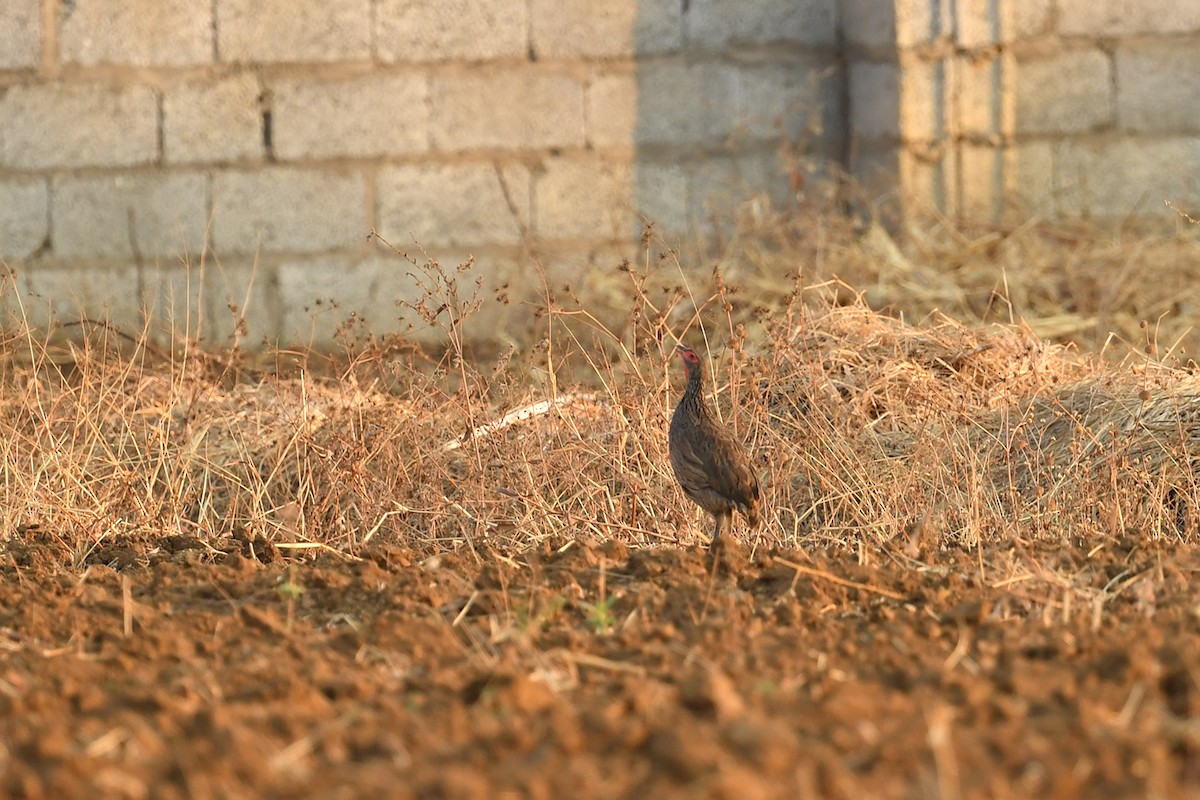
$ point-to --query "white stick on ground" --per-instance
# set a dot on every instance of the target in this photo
(518, 415)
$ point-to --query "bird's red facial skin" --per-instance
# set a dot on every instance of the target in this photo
(690, 360)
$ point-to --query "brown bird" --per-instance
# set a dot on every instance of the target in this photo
(711, 466)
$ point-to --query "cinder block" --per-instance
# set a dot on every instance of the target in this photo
(165, 32)
(319, 296)
(372, 115)
(908, 102)
(928, 181)
(922, 21)
(983, 100)
(1029, 18)
(288, 209)
(661, 197)
(173, 299)
(605, 260)
(396, 284)
(293, 30)
(815, 179)
(1127, 17)
(584, 199)
(875, 101)
(217, 120)
(717, 23)
(1157, 88)
(516, 108)
(876, 170)
(474, 30)
(924, 101)
(13, 294)
(790, 100)
(453, 204)
(719, 187)
(587, 29)
(684, 104)
(883, 28)
(24, 217)
(1110, 179)
(48, 126)
(982, 23)
(612, 100)
(1034, 184)
(870, 25)
(1069, 92)
(61, 295)
(509, 286)
(20, 34)
(591, 273)
(983, 184)
(714, 186)
(165, 213)
(215, 304)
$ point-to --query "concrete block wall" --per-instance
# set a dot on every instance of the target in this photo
(1108, 108)
(1066, 108)
(931, 102)
(176, 158)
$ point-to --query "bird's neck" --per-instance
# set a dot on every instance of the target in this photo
(695, 384)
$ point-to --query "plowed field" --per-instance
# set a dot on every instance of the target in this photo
(163, 669)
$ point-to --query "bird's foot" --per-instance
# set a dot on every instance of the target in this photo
(724, 551)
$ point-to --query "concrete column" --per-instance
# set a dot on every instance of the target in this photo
(931, 112)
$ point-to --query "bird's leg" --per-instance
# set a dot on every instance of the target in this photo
(712, 547)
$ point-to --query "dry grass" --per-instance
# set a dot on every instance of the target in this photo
(867, 429)
(1073, 282)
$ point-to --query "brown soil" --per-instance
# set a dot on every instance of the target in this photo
(594, 671)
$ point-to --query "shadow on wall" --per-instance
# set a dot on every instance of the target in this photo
(733, 105)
